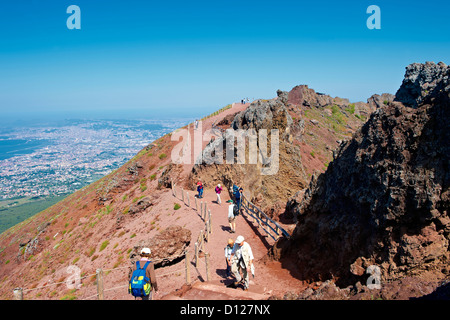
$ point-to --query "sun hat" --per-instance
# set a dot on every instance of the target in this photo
(231, 201)
(146, 251)
(239, 239)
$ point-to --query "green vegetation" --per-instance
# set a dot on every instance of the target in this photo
(104, 245)
(337, 115)
(162, 156)
(69, 296)
(15, 211)
(350, 108)
(176, 206)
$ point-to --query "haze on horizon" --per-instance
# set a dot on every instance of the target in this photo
(190, 58)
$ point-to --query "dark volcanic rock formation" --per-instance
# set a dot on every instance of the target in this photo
(384, 200)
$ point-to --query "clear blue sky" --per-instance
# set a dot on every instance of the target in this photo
(193, 57)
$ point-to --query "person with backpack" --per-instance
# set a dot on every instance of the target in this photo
(218, 191)
(142, 281)
(237, 192)
(232, 216)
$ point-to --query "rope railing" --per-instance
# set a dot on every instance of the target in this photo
(99, 275)
(205, 215)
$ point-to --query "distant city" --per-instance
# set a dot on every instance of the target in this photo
(56, 159)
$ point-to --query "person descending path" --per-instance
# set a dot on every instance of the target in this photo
(242, 261)
(228, 250)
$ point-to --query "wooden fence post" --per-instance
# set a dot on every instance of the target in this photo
(100, 284)
(188, 269)
(188, 201)
(182, 195)
(196, 254)
(18, 294)
(209, 221)
(196, 209)
(207, 266)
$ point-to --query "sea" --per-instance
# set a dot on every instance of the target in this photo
(43, 160)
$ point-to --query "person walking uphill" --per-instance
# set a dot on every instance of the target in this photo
(242, 261)
(142, 281)
(200, 190)
(218, 191)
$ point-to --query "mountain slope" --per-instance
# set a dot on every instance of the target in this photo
(101, 225)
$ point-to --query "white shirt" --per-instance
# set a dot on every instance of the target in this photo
(230, 211)
(244, 251)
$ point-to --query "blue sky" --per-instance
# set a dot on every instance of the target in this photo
(189, 58)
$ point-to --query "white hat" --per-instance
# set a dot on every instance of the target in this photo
(146, 251)
(239, 239)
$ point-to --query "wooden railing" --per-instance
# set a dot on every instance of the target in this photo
(272, 228)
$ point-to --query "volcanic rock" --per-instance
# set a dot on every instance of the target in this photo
(385, 198)
(166, 247)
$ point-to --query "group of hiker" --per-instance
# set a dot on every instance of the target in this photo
(238, 253)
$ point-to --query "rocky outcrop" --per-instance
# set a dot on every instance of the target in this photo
(378, 101)
(272, 174)
(167, 246)
(384, 199)
(170, 173)
(141, 205)
(423, 83)
(303, 96)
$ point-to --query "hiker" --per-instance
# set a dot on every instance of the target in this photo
(237, 192)
(200, 189)
(242, 261)
(228, 250)
(137, 287)
(231, 216)
(218, 191)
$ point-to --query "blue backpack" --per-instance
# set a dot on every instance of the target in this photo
(139, 283)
